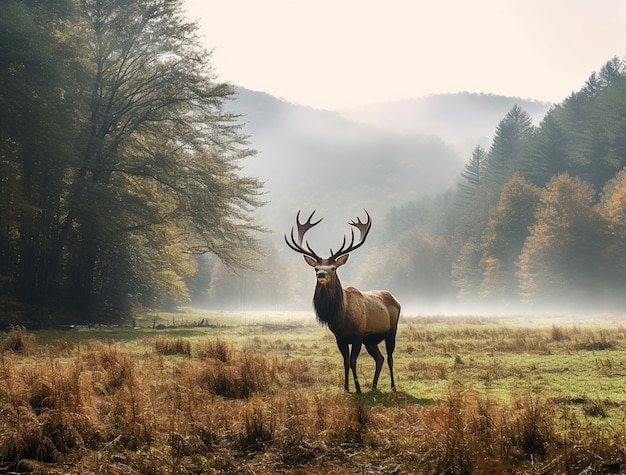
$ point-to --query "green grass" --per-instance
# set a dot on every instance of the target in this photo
(499, 356)
(559, 356)
(466, 386)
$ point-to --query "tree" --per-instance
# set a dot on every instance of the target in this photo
(473, 176)
(548, 152)
(613, 203)
(504, 237)
(512, 136)
(491, 172)
(466, 272)
(160, 151)
(593, 118)
(39, 96)
(612, 208)
(563, 257)
(149, 172)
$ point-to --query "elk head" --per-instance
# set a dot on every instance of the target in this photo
(325, 269)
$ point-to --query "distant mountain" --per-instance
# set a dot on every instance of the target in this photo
(315, 159)
(463, 119)
(375, 158)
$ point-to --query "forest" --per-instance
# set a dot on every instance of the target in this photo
(535, 221)
(123, 187)
(119, 164)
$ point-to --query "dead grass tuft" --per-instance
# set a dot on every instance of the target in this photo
(259, 427)
(110, 408)
(217, 349)
(111, 368)
(468, 433)
(172, 346)
(47, 437)
(244, 375)
(18, 339)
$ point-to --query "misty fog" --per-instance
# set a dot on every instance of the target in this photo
(402, 162)
(169, 188)
(399, 169)
(319, 160)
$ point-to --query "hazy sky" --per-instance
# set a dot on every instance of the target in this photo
(332, 54)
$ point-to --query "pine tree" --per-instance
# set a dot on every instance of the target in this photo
(472, 176)
(504, 158)
(548, 152)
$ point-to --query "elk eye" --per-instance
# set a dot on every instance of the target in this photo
(333, 268)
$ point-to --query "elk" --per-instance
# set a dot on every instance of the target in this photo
(354, 317)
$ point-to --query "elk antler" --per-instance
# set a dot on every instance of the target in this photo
(364, 228)
(302, 229)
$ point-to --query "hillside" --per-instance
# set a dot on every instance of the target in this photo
(315, 159)
(463, 119)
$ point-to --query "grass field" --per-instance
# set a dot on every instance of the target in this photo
(261, 392)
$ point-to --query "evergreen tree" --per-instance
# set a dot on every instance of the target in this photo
(465, 272)
(472, 176)
(592, 119)
(548, 152)
(465, 243)
(504, 158)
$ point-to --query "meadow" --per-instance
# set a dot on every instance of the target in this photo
(261, 392)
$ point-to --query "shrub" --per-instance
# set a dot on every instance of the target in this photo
(558, 333)
(243, 376)
(217, 349)
(18, 340)
(258, 429)
(530, 428)
(172, 346)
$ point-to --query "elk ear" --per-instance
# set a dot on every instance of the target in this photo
(310, 261)
(342, 260)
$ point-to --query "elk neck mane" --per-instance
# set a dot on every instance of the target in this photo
(328, 302)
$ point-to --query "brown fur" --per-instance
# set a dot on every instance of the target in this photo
(355, 318)
(328, 303)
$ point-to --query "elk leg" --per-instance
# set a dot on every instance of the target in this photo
(345, 352)
(390, 344)
(378, 357)
(354, 354)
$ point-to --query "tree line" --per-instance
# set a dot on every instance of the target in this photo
(121, 184)
(538, 219)
(118, 163)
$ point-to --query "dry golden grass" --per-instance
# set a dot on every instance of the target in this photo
(268, 401)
